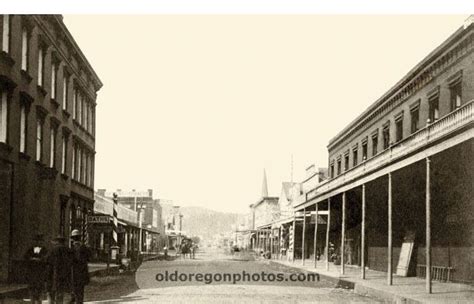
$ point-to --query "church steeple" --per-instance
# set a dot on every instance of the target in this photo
(264, 185)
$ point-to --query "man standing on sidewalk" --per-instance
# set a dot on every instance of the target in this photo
(80, 268)
(59, 265)
(35, 258)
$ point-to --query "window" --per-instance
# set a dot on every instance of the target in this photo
(73, 163)
(346, 161)
(354, 156)
(434, 109)
(86, 115)
(24, 49)
(332, 170)
(62, 219)
(339, 167)
(79, 109)
(6, 33)
(399, 128)
(64, 154)
(74, 103)
(456, 95)
(39, 139)
(52, 150)
(415, 119)
(65, 92)
(364, 150)
(40, 66)
(23, 128)
(53, 80)
(386, 136)
(375, 143)
(79, 164)
(3, 116)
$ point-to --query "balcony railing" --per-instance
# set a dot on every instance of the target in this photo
(432, 132)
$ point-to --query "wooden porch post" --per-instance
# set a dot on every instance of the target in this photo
(315, 238)
(428, 227)
(362, 245)
(303, 234)
(343, 231)
(327, 233)
(389, 258)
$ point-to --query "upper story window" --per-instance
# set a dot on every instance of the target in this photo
(75, 96)
(399, 127)
(3, 115)
(415, 117)
(355, 156)
(364, 149)
(39, 138)
(375, 142)
(73, 163)
(346, 160)
(23, 127)
(54, 72)
(80, 100)
(52, 147)
(331, 170)
(40, 66)
(24, 49)
(64, 154)
(339, 166)
(65, 91)
(434, 109)
(455, 91)
(6, 30)
(386, 135)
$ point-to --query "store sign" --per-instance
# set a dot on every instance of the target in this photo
(98, 219)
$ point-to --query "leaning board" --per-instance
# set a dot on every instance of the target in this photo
(404, 260)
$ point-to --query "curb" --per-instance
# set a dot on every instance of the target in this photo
(358, 288)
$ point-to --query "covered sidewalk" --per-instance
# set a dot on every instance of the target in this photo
(403, 289)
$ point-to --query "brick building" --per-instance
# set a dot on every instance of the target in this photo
(400, 194)
(47, 134)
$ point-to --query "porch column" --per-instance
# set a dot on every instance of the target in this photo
(304, 232)
(315, 237)
(362, 239)
(257, 239)
(343, 231)
(428, 227)
(293, 239)
(327, 233)
(389, 258)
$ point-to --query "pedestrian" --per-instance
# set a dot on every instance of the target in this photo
(80, 268)
(59, 266)
(35, 258)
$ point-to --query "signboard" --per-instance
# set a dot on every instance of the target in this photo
(98, 219)
(405, 254)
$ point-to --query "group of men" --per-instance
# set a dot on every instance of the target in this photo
(58, 270)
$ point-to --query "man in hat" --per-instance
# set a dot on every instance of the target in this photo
(35, 258)
(80, 269)
(59, 263)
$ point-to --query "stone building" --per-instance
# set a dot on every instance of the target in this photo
(48, 94)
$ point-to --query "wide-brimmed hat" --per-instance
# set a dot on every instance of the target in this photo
(75, 232)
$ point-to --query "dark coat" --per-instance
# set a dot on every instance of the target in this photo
(59, 262)
(80, 268)
(35, 259)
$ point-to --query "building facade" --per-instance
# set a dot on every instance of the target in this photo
(48, 94)
(401, 175)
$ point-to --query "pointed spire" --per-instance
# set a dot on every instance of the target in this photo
(264, 185)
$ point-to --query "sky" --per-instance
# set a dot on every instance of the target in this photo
(195, 107)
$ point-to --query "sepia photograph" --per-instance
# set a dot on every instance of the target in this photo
(202, 153)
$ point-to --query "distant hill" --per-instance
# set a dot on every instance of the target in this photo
(204, 222)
